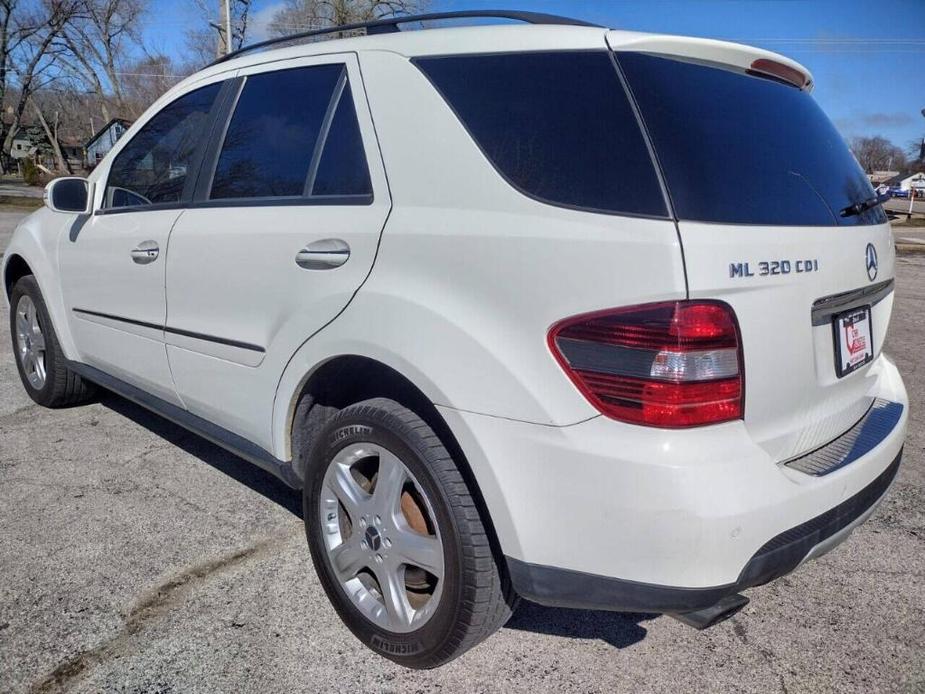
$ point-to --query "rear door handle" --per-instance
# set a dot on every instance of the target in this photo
(146, 252)
(325, 254)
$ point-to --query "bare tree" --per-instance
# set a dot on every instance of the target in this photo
(16, 27)
(98, 40)
(305, 15)
(916, 153)
(878, 154)
(146, 79)
(50, 125)
(35, 58)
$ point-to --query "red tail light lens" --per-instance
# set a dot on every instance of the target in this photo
(673, 364)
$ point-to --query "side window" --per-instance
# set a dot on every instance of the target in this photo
(342, 168)
(558, 126)
(153, 167)
(294, 133)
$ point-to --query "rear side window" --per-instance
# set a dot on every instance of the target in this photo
(741, 149)
(153, 167)
(342, 168)
(293, 133)
(558, 126)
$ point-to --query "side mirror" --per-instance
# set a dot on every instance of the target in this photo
(70, 194)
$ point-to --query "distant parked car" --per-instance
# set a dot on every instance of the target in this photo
(898, 192)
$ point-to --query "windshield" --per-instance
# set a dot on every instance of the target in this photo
(741, 149)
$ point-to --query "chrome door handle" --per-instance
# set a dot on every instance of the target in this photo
(146, 252)
(325, 254)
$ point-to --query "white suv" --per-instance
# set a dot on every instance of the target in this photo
(590, 317)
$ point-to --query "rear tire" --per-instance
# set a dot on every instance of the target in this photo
(418, 532)
(41, 364)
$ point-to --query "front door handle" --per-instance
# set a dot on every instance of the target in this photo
(325, 254)
(146, 252)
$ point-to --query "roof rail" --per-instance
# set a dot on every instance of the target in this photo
(390, 25)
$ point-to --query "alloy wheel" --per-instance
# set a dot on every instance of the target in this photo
(30, 342)
(381, 537)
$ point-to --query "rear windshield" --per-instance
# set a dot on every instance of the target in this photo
(741, 149)
(558, 126)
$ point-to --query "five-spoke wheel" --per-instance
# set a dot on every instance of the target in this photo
(43, 368)
(381, 537)
(397, 538)
(30, 342)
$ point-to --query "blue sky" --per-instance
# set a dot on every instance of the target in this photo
(867, 56)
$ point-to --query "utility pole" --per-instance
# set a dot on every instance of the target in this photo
(223, 27)
(228, 41)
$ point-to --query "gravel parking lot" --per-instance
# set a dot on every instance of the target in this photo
(138, 558)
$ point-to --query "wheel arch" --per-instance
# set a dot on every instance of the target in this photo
(347, 379)
(16, 268)
(33, 250)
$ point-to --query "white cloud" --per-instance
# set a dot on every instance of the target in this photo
(258, 23)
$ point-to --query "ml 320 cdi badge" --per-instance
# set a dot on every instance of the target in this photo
(486, 295)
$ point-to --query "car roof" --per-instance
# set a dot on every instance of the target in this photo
(441, 41)
(504, 38)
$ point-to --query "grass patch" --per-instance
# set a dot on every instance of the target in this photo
(20, 202)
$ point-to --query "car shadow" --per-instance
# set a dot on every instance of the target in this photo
(619, 629)
(229, 464)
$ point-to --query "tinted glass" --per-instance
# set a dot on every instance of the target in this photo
(557, 125)
(153, 167)
(269, 144)
(70, 195)
(742, 149)
(342, 169)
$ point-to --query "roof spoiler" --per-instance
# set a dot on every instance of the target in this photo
(752, 60)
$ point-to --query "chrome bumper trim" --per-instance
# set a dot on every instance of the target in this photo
(828, 306)
(859, 440)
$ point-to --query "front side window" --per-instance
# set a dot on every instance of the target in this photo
(558, 126)
(294, 134)
(153, 167)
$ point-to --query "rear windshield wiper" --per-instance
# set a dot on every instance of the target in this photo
(859, 207)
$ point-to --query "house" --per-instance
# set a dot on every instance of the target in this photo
(73, 151)
(23, 147)
(908, 181)
(103, 141)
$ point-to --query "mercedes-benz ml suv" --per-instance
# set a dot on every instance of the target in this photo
(486, 295)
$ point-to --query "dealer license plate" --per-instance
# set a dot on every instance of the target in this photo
(853, 344)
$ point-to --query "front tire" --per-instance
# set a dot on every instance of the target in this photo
(41, 363)
(397, 540)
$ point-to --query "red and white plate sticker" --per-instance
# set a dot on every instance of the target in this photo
(853, 340)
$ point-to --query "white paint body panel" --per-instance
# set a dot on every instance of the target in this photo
(97, 273)
(36, 241)
(685, 508)
(794, 401)
(231, 273)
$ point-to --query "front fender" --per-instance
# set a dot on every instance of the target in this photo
(35, 240)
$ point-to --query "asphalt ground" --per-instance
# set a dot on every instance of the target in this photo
(901, 205)
(135, 557)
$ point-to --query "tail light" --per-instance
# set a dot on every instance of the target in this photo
(771, 68)
(673, 364)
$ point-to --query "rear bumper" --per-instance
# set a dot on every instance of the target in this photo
(611, 516)
(556, 587)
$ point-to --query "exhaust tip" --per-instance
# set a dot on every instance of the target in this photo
(714, 614)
